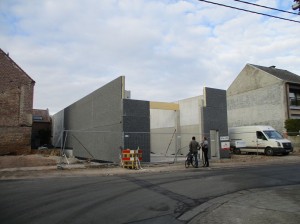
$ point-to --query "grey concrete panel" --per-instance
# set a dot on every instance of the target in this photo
(94, 123)
(57, 128)
(215, 98)
(215, 115)
(136, 126)
(163, 141)
(186, 134)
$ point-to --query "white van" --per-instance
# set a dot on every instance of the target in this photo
(259, 139)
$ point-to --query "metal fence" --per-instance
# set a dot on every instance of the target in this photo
(106, 145)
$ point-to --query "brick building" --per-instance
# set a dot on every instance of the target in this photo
(16, 102)
(41, 128)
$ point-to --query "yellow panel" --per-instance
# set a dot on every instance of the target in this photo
(123, 87)
(164, 106)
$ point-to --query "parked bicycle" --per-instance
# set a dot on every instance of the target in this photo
(190, 160)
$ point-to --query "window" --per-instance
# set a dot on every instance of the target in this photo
(273, 135)
(260, 135)
(37, 118)
(294, 96)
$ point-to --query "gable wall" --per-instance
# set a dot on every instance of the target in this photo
(251, 78)
(256, 98)
(16, 104)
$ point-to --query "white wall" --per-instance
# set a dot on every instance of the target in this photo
(256, 98)
(162, 118)
(186, 121)
(190, 111)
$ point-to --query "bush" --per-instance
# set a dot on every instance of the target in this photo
(292, 126)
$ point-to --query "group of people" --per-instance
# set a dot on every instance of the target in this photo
(194, 147)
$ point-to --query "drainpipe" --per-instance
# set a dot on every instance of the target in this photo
(287, 100)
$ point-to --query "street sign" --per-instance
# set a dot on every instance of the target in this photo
(224, 138)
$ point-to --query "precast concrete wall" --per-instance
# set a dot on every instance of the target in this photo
(163, 141)
(136, 126)
(190, 121)
(57, 129)
(215, 115)
(163, 127)
(187, 132)
(93, 124)
(190, 111)
(163, 118)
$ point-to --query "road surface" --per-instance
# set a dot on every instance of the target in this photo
(163, 197)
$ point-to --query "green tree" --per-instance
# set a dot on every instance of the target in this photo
(292, 126)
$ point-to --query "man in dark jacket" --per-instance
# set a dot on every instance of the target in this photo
(205, 151)
(194, 147)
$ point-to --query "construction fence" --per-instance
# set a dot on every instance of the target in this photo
(107, 145)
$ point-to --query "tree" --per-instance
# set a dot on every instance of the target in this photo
(292, 126)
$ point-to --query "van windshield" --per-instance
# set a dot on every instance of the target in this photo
(273, 135)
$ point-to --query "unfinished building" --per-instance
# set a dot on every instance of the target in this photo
(99, 125)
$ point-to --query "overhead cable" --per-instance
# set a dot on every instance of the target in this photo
(266, 7)
(245, 10)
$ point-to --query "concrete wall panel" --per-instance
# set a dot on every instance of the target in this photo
(163, 141)
(215, 115)
(94, 123)
(136, 126)
(162, 118)
(189, 111)
(57, 128)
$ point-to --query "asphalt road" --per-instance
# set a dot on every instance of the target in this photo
(136, 198)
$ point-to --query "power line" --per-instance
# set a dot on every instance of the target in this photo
(266, 7)
(245, 10)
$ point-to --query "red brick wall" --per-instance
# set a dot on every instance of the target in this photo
(15, 140)
(16, 102)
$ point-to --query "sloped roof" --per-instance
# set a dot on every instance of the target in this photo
(44, 114)
(8, 66)
(280, 73)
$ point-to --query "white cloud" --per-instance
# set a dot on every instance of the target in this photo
(168, 50)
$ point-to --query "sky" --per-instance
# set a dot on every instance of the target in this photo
(167, 50)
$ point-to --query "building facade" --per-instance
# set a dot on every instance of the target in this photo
(174, 124)
(102, 123)
(263, 96)
(16, 102)
(41, 128)
(99, 125)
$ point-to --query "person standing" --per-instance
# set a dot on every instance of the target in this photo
(194, 147)
(205, 151)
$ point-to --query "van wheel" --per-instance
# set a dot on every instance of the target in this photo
(269, 151)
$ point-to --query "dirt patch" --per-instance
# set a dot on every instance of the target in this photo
(27, 161)
(51, 158)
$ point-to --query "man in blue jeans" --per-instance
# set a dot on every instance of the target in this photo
(194, 147)
(204, 145)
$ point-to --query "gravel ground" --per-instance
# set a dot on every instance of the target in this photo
(40, 165)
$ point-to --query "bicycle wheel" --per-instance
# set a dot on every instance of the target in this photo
(193, 162)
(187, 164)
